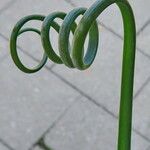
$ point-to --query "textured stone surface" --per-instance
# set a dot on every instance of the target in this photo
(30, 104)
(3, 48)
(2, 147)
(143, 40)
(142, 112)
(141, 10)
(21, 9)
(87, 127)
(37, 148)
(4, 4)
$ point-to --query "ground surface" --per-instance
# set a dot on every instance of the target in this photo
(69, 109)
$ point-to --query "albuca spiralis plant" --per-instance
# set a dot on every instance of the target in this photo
(72, 55)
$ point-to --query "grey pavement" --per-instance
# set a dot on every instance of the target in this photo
(2, 147)
(59, 108)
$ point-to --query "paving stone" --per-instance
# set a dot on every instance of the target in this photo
(87, 127)
(37, 148)
(111, 17)
(148, 148)
(142, 112)
(3, 48)
(102, 80)
(141, 10)
(4, 4)
(30, 104)
(143, 40)
(2, 147)
(21, 9)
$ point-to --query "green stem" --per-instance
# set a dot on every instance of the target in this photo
(125, 118)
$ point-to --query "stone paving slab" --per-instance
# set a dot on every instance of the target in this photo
(37, 148)
(111, 17)
(141, 10)
(87, 127)
(20, 9)
(143, 40)
(142, 112)
(102, 80)
(4, 3)
(29, 104)
(3, 48)
(2, 147)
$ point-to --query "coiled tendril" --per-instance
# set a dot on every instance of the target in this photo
(65, 49)
(72, 55)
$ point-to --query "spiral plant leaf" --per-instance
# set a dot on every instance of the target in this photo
(72, 54)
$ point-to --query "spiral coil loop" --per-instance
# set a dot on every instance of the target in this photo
(73, 55)
(64, 45)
